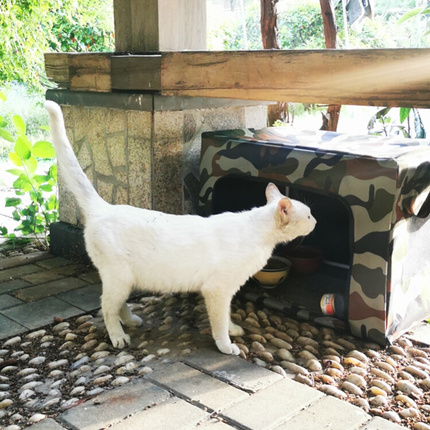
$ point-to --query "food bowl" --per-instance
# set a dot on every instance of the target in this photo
(304, 259)
(273, 273)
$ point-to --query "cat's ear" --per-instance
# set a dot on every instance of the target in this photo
(284, 207)
(273, 193)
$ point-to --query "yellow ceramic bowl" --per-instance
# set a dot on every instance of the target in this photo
(275, 271)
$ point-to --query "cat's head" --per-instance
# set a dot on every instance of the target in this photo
(293, 218)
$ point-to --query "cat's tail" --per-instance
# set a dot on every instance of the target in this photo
(71, 173)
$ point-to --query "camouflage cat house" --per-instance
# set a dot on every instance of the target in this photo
(384, 183)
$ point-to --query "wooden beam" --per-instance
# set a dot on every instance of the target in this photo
(380, 77)
(57, 69)
(139, 72)
(90, 72)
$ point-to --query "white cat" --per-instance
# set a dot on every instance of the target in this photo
(143, 249)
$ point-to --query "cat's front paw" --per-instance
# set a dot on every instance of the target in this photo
(120, 341)
(228, 348)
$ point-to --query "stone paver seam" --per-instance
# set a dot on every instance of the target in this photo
(277, 423)
(212, 413)
(220, 378)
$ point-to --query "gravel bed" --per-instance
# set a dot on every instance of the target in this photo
(58, 367)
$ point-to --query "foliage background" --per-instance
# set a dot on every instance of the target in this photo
(28, 28)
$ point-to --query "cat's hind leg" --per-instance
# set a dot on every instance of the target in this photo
(234, 329)
(218, 306)
(115, 293)
(128, 318)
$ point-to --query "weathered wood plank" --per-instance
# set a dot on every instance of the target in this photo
(137, 72)
(382, 77)
(57, 69)
(90, 72)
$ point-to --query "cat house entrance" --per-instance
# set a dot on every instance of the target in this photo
(332, 236)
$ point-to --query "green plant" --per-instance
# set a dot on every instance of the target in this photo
(29, 28)
(384, 124)
(35, 203)
(419, 11)
(71, 34)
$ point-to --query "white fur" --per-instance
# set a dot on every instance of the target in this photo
(144, 249)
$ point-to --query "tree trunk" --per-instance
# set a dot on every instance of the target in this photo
(269, 24)
(331, 118)
(269, 36)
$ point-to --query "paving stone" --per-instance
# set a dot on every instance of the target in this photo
(174, 414)
(18, 272)
(13, 285)
(91, 277)
(234, 370)
(9, 328)
(113, 406)
(330, 413)
(21, 260)
(42, 312)
(7, 301)
(37, 292)
(46, 424)
(70, 270)
(197, 386)
(274, 404)
(377, 423)
(54, 262)
(42, 277)
(87, 298)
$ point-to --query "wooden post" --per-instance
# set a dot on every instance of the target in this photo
(331, 118)
(159, 25)
(269, 37)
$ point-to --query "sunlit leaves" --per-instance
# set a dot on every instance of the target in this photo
(30, 184)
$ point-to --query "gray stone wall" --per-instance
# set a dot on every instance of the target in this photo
(140, 156)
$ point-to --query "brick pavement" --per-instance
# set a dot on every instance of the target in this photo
(206, 390)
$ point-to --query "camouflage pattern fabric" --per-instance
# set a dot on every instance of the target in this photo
(385, 182)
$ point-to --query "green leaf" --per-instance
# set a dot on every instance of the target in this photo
(21, 148)
(404, 113)
(31, 164)
(16, 216)
(6, 135)
(382, 113)
(43, 149)
(16, 172)
(15, 159)
(2, 96)
(23, 184)
(3, 231)
(420, 132)
(12, 202)
(53, 172)
(19, 124)
(410, 14)
(41, 179)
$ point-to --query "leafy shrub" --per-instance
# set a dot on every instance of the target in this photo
(73, 34)
(33, 218)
